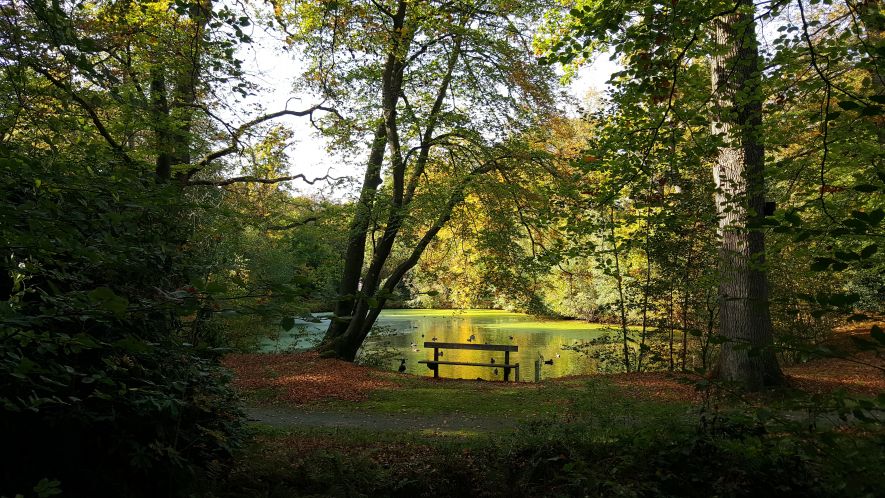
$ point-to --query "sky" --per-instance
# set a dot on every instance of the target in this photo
(275, 71)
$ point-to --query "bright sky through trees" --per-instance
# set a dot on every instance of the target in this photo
(277, 69)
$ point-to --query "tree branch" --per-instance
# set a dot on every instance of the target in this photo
(93, 114)
(255, 179)
(243, 128)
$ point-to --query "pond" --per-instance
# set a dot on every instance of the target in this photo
(405, 331)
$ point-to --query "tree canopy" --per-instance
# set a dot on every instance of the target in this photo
(717, 204)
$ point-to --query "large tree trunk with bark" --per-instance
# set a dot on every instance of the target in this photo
(346, 315)
(746, 356)
(362, 293)
(356, 241)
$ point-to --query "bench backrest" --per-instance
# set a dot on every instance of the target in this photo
(478, 347)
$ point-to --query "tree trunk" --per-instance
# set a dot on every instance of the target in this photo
(621, 303)
(745, 323)
(347, 346)
(348, 300)
(685, 299)
(160, 118)
(402, 195)
(356, 241)
(345, 337)
(646, 289)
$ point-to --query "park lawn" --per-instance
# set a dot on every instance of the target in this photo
(649, 434)
(324, 461)
(307, 382)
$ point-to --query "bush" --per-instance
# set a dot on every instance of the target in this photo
(99, 388)
(653, 455)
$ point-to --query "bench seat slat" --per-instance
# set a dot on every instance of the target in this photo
(476, 347)
(501, 365)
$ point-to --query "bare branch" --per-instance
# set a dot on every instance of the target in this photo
(383, 9)
(256, 179)
(243, 128)
(814, 62)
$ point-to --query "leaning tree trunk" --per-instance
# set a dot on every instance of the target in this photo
(349, 344)
(370, 301)
(355, 254)
(745, 323)
(334, 342)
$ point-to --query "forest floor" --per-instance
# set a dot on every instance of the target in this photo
(303, 390)
(326, 427)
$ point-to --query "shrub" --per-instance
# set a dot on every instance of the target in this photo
(99, 388)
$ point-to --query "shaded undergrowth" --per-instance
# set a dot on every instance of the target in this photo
(575, 438)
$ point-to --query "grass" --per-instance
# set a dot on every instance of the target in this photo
(595, 399)
(436, 401)
(349, 462)
(580, 437)
(452, 397)
(260, 396)
(619, 435)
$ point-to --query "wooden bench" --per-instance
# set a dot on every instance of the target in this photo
(507, 349)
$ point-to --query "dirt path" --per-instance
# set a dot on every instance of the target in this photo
(288, 417)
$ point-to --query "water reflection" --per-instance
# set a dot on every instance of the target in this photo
(536, 339)
(407, 330)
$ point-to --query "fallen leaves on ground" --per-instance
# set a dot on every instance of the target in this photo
(300, 465)
(305, 377)
(857, 374)
(660, 386)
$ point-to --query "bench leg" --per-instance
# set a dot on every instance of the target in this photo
(517, 373)
(506, 366)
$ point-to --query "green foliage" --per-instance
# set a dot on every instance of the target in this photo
(101, 389)
(602, 444)
(652, 151)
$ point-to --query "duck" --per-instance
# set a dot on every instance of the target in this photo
(492, 360)
(471, 338)
(495, 371)
(402, 365)
(548, 362)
